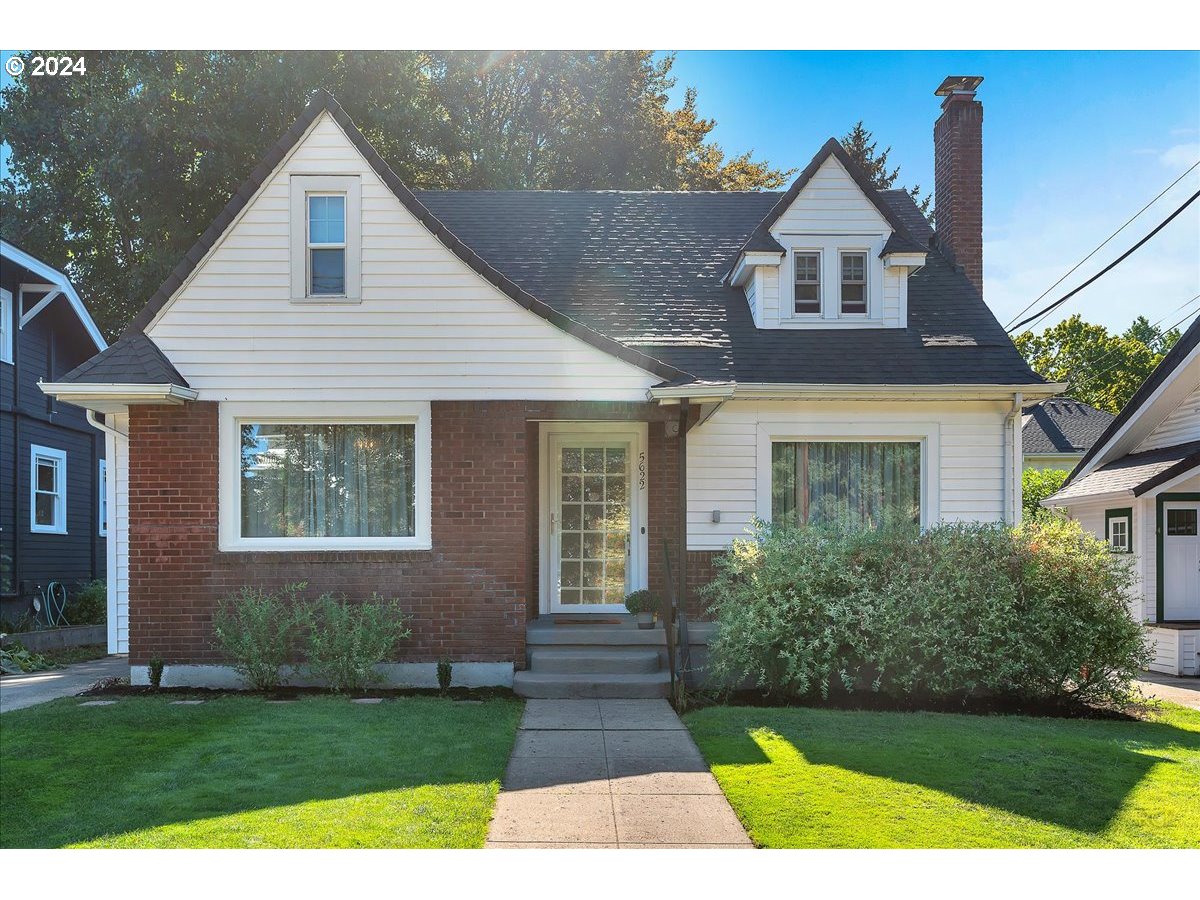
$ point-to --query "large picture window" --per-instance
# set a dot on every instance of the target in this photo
(848, 484)
(327, 480)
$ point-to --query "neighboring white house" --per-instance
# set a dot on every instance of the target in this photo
(1056, 433)
(1139, 489)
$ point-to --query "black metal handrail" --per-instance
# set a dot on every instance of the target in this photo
(674, 619)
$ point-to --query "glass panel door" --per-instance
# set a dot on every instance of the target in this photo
(591, 527)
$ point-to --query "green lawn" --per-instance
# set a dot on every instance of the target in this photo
(828, 778)
(240, 772)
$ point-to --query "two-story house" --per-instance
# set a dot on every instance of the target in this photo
(53, 505)
(510, 408)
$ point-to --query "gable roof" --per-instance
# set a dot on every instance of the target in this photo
(1135, 472)
(27, 260)
(639, 275)
(762, 239)
(1062, 425)
(1187, 342)
(323, 102)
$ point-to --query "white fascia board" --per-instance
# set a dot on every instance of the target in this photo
(59, 280)
(854, 391)
(747, 262)
(112, 397)
(1054, 501)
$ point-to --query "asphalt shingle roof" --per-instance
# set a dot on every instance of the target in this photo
(1136, 472)
(1062, 425)
(639, 275)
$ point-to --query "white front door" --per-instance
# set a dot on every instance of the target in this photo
(1181, 561)
(595, 533)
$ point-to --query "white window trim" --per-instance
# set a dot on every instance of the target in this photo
(830, 247)
(301, 186)
(102, 507)
(1128, 521)
(7, 326)
(230, 516)
(927, 434)
(36, 452)
(865, 253)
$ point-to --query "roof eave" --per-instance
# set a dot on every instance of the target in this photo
(765, 391)
(113, 397)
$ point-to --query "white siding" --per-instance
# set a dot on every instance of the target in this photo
(832, 203)
(117, 453)
(428, 327)
(723, 468)
(1180, 427)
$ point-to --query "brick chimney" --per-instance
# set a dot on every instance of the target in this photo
(958, 174)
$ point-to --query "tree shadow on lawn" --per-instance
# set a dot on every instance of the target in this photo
(1071, 773)
(74, 774)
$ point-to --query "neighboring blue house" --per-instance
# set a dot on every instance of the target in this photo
(52, 496)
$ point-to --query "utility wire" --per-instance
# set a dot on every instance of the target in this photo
(1094, 374)
(1112, 265)
(1099, 247)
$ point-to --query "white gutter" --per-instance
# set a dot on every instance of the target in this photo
(711, 393)
(80, 393)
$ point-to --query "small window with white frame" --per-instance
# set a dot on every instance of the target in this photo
(6, 326)
(47, 490)
(806, 268)
(326, 239)
(102, 506)
(854, 283)
(1118, 526)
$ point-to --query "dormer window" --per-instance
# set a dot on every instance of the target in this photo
(854, 284)
(326, 238)
(807, 268)
(326, 245)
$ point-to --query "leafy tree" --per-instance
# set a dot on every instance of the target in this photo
(116, 174)
(860, 143)
(1036, 486)
(1100, 368)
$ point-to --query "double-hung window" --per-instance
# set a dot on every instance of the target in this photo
(326, 238)
(846, 484)
(326, 245)
(47, 490)
(102, 504)
(854, 283)
(806, 266)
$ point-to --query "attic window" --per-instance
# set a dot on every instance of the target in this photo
(807, 267)
(326, 245)
(854, 284)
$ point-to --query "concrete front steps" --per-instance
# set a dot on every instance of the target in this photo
(582, 661)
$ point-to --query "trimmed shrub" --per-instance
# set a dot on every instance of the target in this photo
(257, 630)
(346, 640)
(88, 605)
(154, 672)
(1039, 613)
(445, 673)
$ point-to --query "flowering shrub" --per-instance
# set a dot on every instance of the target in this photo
(1036, 613)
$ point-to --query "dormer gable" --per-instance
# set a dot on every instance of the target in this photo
(830, 254)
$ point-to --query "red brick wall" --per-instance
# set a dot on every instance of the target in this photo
(467, 596)
(470, 597)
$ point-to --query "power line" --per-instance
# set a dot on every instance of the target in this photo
(1094, 374)
(1112, 265)
(1100, 246)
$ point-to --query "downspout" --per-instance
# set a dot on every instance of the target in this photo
(681, 592)
(1012, 441)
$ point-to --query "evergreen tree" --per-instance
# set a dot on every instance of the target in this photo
(863, 149)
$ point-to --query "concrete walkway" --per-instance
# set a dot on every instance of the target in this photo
(20, 691)
(609, 773)
(1172, 688)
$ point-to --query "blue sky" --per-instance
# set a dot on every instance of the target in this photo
(1074, 143)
